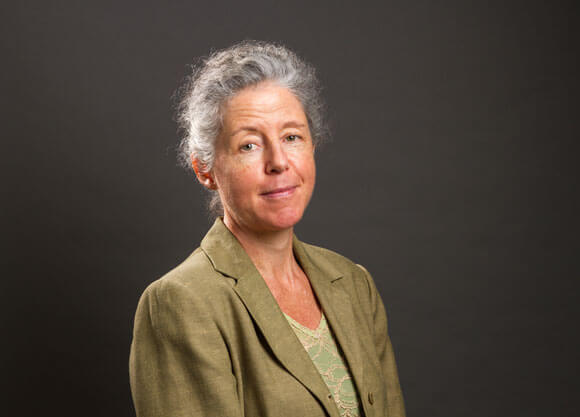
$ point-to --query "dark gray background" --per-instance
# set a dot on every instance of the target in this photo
(450, 176)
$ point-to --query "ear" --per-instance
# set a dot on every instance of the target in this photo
(204, 176)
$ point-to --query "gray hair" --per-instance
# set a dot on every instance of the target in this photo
(222, 75)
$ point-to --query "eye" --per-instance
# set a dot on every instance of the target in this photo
(292, 138)
(248, 147)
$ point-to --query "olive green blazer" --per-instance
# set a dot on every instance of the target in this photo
(210, 339)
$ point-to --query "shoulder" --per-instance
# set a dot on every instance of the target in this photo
(192, 285)
(353, 274)
(195, 273)
(352, 279)
(319, 253)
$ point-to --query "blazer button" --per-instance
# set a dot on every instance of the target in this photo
(371, 398)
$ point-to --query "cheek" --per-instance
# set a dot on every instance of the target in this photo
(312, 178)
(307, 169)
(313, 168)
(237, 182)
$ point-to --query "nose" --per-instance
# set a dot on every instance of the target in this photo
(276, 159)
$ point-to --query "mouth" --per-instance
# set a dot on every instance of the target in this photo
(280, 192)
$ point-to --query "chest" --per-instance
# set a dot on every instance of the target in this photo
(270, 363)
(297, 299)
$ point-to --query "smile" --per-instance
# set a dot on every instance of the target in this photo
(280, 192)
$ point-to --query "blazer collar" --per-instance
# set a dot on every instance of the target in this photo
(229, 258)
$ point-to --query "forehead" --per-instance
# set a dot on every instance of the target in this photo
(266, 102)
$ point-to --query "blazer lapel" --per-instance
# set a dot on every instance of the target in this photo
(229, 258)
(337, 307)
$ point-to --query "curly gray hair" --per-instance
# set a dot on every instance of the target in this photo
(223, 74)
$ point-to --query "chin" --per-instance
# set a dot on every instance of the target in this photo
(285, 219)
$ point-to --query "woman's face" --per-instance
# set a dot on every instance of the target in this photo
(264, 166)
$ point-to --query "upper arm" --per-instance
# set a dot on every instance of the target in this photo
(179, 362)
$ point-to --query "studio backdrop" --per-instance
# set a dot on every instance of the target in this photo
(450, 175)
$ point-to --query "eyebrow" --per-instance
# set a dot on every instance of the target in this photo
(286, 125)
(245, 128)
(293, 124)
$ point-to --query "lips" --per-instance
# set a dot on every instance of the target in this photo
(279, 192)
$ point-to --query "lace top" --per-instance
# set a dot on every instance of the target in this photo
(329, 361)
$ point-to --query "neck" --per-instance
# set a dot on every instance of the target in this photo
(271, 252)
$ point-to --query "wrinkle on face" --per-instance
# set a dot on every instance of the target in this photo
(266, 118)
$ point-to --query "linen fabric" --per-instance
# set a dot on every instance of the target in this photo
(210, 339)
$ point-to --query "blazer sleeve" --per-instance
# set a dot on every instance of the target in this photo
(179, 363)
(385, 351)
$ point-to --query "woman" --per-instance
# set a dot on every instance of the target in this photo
(255, 322)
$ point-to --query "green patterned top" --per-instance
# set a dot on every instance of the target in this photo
(329, 361)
